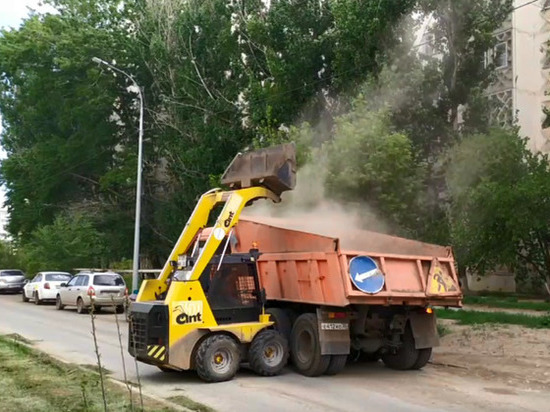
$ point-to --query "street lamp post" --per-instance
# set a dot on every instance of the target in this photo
(135, 260)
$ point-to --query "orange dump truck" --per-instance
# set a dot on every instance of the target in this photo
(305, 273)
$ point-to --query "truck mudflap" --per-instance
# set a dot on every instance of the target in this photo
(334, 333)
(424, 329)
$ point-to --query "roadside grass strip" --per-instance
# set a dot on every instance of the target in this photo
(32, 381)
(474, 317)
(507, 302)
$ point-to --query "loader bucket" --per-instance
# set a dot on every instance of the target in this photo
(272, 167)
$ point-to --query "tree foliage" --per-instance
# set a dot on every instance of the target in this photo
(372, 164)
(501, 193)
(68, 243)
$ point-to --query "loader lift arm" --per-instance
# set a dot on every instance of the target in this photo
(262, 174)
(234, 201)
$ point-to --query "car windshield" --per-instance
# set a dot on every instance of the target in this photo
(11, 273)
(57, 277)
(108, 280)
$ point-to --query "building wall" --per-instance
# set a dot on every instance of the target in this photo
(531, 33)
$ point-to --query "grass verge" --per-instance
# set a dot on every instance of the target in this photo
(190, 404)
(473, 317)
(507, 302)
(33, 381)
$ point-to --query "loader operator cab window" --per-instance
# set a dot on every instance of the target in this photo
(232, 292)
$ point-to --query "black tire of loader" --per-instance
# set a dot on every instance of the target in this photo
(336, 364)
(207, 350)
(406, 356)
(257, 358)
(282, 320)
(307, 360)
(424, 356)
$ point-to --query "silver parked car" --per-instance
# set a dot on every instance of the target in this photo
(12, 280)
(103, 289)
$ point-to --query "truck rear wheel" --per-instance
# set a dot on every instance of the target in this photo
(336, 364)
(283, 324)
(405, 356)
(217, 358)
(423, 358)
(268, 353)
(305, 348)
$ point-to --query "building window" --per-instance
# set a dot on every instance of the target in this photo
(498, 56)
(427, 44)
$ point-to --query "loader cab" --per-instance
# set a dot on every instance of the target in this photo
(232, 288)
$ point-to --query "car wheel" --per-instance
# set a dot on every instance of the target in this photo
(37, 300)
(119, 309)
(80, 308)
(24, 297)
(58, 304)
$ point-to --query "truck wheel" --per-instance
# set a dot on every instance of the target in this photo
(58, 304)
(305, 348)
(423, 358)
(268, 353)
(217, 358)
(283, 324)
(336, 364)
(405, 356)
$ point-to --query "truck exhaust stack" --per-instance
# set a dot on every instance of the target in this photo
(273, 168)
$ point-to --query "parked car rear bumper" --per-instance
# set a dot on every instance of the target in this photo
(12, 286)
(48, 294)
(108, 300)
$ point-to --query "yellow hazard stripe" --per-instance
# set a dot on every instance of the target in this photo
(152, 349)
(157, 352)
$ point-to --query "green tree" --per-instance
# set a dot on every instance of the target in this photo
(501, 204)
(58, 111)
(69, 242)
(9, 257)
(371, 163)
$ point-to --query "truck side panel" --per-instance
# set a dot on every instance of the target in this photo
(302, 277)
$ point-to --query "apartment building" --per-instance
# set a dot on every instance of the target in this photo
(520, 91)
(521, 56)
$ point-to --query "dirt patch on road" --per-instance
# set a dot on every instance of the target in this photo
(510, 354)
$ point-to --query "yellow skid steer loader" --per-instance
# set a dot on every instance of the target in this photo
(205, 311)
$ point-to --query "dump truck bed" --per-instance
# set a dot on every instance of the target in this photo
(306, 267)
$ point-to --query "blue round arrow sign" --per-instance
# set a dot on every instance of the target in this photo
(365, 274)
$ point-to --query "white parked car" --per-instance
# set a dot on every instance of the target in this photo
(44, 286)
(104, 289)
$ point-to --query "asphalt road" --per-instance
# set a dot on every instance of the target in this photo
(67, 336)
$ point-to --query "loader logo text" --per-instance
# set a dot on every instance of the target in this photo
(227, 221)
(188, 312)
